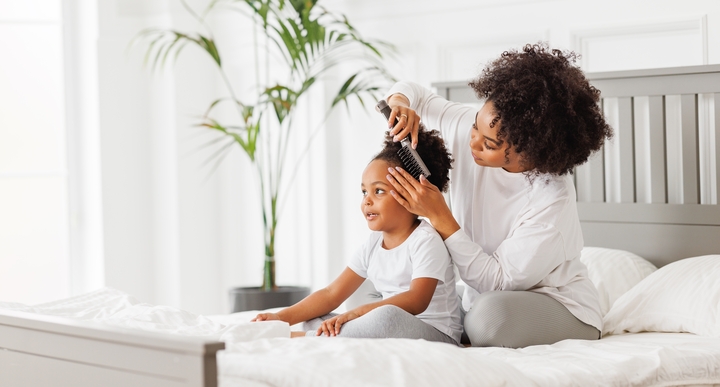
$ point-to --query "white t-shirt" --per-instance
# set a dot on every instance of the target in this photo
(516, 234)
(421, 255)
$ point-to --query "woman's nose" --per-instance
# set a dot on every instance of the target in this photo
(475, 144)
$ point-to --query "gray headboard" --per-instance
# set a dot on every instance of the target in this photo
(653, 190)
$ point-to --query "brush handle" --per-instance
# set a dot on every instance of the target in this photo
(384, 108)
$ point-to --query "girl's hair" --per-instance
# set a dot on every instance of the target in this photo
(545, 107)
(432, 151)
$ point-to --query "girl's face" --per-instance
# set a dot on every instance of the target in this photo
(381, 210)
(486, 148)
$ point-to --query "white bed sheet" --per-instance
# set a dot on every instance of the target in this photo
(639, 359)
(261, 354)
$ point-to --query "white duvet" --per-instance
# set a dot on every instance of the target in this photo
(261, 354)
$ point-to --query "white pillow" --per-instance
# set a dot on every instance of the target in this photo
(614, 272)
(683, 296)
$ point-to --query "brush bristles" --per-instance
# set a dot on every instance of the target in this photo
(411, 161)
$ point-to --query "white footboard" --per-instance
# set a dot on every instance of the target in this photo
(38, 350)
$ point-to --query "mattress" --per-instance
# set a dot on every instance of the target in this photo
(635, 359)
(262, 354)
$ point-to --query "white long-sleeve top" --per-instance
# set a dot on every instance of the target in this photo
(515, 233)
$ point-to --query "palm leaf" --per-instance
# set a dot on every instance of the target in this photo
(163, 42)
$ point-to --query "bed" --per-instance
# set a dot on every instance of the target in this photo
(650, 216)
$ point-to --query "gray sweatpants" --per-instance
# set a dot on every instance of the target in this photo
(387, 321)
(518, 319)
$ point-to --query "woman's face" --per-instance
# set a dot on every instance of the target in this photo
(381, 210)
(486, 148)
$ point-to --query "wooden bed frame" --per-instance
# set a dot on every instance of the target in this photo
(39, 351)
(641, 194)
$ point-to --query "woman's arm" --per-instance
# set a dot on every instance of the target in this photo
(414, 101)
(320, 302)
(532, 251)
(418, 102)
(414, 301)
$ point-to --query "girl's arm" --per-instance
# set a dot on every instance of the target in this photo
(413, 301)
(320, 302)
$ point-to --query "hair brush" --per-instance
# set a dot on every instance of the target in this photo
(410, 158)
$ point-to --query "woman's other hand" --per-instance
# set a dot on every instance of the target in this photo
(422, 198)
(408, 120)
(266, 317)
(331, 326)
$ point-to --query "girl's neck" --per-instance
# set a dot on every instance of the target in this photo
(394, 238)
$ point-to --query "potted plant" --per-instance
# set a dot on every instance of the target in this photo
(309, 41)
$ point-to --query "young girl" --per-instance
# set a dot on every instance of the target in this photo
(404, 257)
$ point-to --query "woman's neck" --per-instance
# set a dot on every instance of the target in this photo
(394, 238)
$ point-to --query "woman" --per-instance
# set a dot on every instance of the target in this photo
(512, 227)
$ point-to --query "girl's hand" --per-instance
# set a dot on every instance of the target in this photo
(265, 317)
(422, 198)
(331, 326)
(408, 120)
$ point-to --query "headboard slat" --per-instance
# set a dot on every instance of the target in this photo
(591, 182)
(627, 157)
(656, 106)
(649, 139)
(690, 162)
(716, 148)
(619, 158)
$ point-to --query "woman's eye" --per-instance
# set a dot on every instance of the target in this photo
(488, 146)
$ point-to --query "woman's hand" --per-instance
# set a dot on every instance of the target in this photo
(331, 326)
(422, 198)
(408, 120)
(266, 317)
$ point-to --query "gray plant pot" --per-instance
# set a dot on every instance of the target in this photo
(254, 298)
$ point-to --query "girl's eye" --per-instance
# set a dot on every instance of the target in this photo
(364, 193)
(379, 191)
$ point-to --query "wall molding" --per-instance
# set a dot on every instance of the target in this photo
(581, 38)
(449, 53)
(381, 9)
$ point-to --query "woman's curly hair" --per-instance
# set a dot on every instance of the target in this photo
(546, 107)
(431, 149)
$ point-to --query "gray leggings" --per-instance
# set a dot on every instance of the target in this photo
(383, 322)
(518, 319)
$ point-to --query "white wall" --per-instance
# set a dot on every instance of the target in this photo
(34, 211)
(175, 232)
